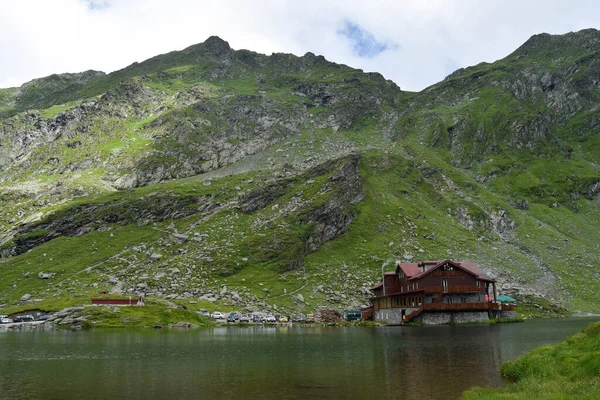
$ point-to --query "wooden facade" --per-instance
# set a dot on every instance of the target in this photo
(431, 286)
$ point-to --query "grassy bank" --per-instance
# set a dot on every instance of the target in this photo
(150, 315)
(569, 370)
(154, 313)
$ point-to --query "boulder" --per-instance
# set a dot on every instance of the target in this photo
(180, 238)
(184, 325)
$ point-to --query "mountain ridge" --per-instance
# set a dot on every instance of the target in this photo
(221, 177)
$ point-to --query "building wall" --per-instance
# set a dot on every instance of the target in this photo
(455, 317)
(503, 314)
(392, 316)
(430, 298)
(467, 297)
(456, 277)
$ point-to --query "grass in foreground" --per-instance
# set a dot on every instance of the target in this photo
(569, 370)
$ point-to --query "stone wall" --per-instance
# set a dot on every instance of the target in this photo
(454, 317)
(436, 318)
(503, 314)
(470, 316)
(393, 316)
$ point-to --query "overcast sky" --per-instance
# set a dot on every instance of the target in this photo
(414, 43)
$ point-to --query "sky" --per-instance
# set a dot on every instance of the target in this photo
(414, 43)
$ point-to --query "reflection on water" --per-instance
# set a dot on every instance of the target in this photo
(267, 362)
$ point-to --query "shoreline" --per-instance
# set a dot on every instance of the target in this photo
(183, 325)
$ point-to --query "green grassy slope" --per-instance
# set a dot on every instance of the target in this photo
(569, 370)
(407, 212)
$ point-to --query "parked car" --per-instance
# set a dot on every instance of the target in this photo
(43, 317)
(244, 318)
(233, 317)
(283, 318)
(5, 320)
(298, 318)
(352, 315)
(24, 318)
(218, 315)
(270, 318)
(257, 319)
(204, 312)
(310, 318)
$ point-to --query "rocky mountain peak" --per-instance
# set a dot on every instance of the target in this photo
(545, 43)
(78, 78)
(213, 47)
(216, 45)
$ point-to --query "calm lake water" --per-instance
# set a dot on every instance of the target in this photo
(433, 362)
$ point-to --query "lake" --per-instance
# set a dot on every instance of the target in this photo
(429, 362)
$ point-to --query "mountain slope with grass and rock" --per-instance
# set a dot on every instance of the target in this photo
(226, 179)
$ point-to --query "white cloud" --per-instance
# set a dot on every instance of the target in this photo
(41, 37)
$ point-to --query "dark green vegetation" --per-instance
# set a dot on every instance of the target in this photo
(231, 180)
(151, 315)
(569, 370)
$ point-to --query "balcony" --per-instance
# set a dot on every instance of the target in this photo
(452, 289)
(460, 306)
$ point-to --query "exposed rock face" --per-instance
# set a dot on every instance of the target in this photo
(202, 129)
(334, 218)
(80, 220)
(260, 198)
(496, 221)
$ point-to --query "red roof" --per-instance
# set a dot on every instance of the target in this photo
(475, 269)
(377, 286)
(413, 270)
(409, 269)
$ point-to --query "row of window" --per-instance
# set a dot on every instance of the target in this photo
(413, 286)
(409, 301)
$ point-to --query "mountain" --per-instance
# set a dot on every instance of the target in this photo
(221, 178)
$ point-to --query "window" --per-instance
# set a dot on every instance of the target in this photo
(445, 285)
(478, 284)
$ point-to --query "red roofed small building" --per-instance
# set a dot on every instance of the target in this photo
(436, 292)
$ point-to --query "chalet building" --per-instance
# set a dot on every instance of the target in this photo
(437, 292)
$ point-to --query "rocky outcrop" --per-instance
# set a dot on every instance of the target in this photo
(335, 216)
(475, 218)
(86, 218)
(260, 198)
